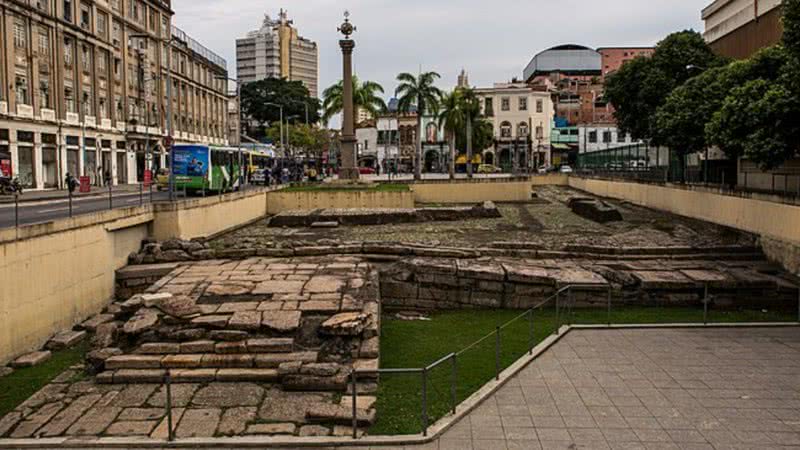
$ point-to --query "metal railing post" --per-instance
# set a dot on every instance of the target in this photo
(570, 305)
(497, 354)
(355, 399)
(16, 209)
(531, 337)
(424, 401)
(705, 305)
(150, 186)
(558, 315)
(454, 383)
(608, 307)
(170, 431)
(70, 202)
(798, 304)
(141, 194)
(110, 198)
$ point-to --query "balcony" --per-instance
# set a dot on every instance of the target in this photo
(48, 114)
(25, 111)
(73, 118)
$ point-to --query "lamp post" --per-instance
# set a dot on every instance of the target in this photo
(239, 112)
(348, 170)
(295, 116)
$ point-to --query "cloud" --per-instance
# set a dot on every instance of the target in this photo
(492, 40)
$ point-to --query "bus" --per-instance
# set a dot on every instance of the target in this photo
(204, 168)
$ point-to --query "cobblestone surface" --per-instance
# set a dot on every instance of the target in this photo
(546, 222)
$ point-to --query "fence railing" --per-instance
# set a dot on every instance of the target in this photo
(563, 302)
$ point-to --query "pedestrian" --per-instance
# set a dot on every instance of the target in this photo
(71, 183)
(107, 177)
(377, 169)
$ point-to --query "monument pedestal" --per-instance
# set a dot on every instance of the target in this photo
(349, 173)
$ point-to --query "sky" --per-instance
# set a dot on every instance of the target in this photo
(493, 40)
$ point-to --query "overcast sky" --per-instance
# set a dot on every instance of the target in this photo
(492, 39)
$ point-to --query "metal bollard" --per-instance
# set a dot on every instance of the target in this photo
(497, 354)
(170, 431)
(454, 383)
(705, 305)
(355, 410)
(141, 194)
(558, 315)
(70, 203)
(531, 337)
(110, 198)
(424, 401)
(16, 209)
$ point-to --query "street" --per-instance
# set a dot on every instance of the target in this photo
(49, 210)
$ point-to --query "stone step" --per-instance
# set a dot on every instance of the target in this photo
(340, 415)
(254, 345)
(157, 376)
(207, 360)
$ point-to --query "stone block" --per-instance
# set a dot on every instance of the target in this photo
(255, 375)
(281, 321)
(140, 323)
(267, 345)
(231, 347)
(273, 360)
(271, 428)
(236, 307)
(212, 321)
(94, 322)
(299, 382)
(181, 361)
(234, 420)
(324, 284)
(278, 287)
(370, 348)
(31, 359)
(228, 335)
(193, 375)
(197, 347)
(227, 361)
(341, 415)
(65, 339)
(133, 362)
(136, 376)
(158, 348)
(245, 320)
(313, 430)
(344, 324)
(319, 306)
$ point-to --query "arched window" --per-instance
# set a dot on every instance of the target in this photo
(431, 132)
(522, 130)
(505, 130)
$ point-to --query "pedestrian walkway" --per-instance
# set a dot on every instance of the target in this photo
(61, 194)
(735, 388)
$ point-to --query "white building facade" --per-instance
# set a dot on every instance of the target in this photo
(596, 137)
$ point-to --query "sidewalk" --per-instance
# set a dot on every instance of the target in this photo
(61, 194)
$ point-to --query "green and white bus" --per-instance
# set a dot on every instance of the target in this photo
(205, 168)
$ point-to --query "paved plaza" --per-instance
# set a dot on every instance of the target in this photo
(647, 389)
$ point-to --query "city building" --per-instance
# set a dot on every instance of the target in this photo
(600, 136)
(84, 89)
(522, 118)
(570, 61)
(739, 28)
(277, 50)
(612, 58)
(234, 120)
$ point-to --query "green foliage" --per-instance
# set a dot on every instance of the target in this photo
(482, 135)
(642, 85)
(418, 92)
(307, 137)
(366, 96)
(292, 95)
(758, 121)
(791, 26)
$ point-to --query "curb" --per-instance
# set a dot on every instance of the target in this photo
(435, 431)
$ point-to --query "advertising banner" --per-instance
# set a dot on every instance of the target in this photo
(86, 184)
(191, 160)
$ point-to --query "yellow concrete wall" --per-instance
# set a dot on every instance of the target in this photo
(278, 201)
(204, 217)
(58, 274)
(558, 179)
(770, 219)
(475, 191)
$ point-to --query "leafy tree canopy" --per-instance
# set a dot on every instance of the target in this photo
(366, 96)
(258, 96)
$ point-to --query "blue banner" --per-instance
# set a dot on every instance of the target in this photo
(191, 160)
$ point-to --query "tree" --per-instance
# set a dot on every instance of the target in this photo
(791, 26)
(366, 96)
(419, 92)
(681, 121)
(308, 138)
(642, 85)
(452, 119)
(258, 97)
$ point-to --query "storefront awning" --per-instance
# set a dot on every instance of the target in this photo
(476, 159)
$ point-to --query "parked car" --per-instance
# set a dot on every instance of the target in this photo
(489, 168)
(162, 179)
(366, 171)
(259, 177)
(565, 169)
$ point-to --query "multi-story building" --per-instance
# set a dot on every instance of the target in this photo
(739, 28)
(276, 50)
(84, 84)
(612, 58)
(234, 121)
(522, 118)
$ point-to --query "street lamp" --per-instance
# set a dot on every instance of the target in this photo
(295, 116)
(239, 112)
(280, 107)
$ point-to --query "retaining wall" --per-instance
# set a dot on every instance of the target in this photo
(777, 223)
(279, 201)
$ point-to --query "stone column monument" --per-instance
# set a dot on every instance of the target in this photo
(349, 168)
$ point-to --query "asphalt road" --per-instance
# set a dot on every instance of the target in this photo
(49, 210)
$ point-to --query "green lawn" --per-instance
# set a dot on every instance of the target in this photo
(375, 187)
(419, 343)
(17, 387)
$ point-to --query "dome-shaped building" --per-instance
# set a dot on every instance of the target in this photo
(568, 59)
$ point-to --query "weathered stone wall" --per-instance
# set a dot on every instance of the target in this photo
(280, 201)
(474, 191)
(777, 223)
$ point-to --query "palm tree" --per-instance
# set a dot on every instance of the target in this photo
(452, 118)
(418, 91)
(366, 96)
(471, 110)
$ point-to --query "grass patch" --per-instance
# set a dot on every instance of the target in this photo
(375, 187)
(17, 387)
(409, 344)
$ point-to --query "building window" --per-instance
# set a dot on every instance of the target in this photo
(102, 25)
(153, 20)
(116, 34)
(44, 44)
(21, 88)
(115, 5)
(86, 16)
(70, 99)
(621, 137)
(20, 34)
(606, 137)
(44, 94)
(505, 104)
(523, 103)
(539, 132)
(68, 10)
(164, 27)
(86, 59)
(522, 129)
(67, 52)
(505, 130)
(593, 137)
(539, 106)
